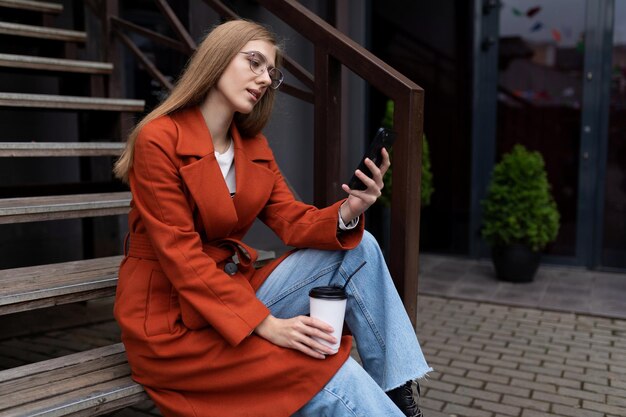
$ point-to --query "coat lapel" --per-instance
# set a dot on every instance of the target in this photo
(202, 176)
(221, 214)
(255, 180)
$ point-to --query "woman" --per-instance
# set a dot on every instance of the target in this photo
(208, 337)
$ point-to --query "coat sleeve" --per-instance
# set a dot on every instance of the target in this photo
(305, 226)
(158, 195)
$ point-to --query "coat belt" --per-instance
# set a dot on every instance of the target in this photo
(139, 246)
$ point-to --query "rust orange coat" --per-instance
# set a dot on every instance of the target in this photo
(186, 324)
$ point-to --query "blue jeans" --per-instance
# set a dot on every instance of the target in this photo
(384, 335)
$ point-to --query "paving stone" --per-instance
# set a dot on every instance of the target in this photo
(617, 401)
(461, 411)
(449, 398)
(604, 408)
(478, 393)
(431, 404)
(555, 399)
(514, 373)
(434, 413)
(438, 385)
(618, 383)
(497, 362)
(545, 357)
(603, 389)
(620, 369)
(533, 385)
(564, 367)
(533, 413)
(526, 403)
(498, 408)
(466, 382)
(544, 370)
(470, 366)
(434, 359)
(559, 381)
(587, 377)
(521, 359)
(488, 377)
(575, 412)
(508, 389)
(586, 395)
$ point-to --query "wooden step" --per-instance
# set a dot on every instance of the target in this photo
(88, 383)
(33, 287)
(36, 6)
(54, 64)
(69, 102)
(30, 31)
(30, 149)
(32, 209)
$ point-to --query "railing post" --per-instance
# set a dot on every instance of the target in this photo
(115, 56)
(405, 199)
(327, 131)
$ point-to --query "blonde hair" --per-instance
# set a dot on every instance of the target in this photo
(203, 71)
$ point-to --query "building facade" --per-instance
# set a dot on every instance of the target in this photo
(550, 75)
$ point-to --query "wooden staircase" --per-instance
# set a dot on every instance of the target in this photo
(96, 381)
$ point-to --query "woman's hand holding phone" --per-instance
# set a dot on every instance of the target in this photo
(360, 200)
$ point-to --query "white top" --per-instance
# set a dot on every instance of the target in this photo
(225, 160)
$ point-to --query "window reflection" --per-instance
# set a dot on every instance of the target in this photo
(541, 61)
(614, 235)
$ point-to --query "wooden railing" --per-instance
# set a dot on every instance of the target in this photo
(332, 50)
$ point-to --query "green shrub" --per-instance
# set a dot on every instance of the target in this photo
(427, 187)
(519, 207)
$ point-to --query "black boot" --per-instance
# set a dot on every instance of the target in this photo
(405, 400)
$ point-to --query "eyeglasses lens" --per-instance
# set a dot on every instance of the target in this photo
(258, 65)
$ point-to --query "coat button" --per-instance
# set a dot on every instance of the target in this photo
(230, 268)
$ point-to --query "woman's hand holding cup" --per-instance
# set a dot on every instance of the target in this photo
(300, 333)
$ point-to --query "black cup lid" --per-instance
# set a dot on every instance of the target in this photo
(328, 293)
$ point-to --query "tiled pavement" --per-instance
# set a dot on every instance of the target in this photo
(495, 360)
(555, 288)
(493, 355)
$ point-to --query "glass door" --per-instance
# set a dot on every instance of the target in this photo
(541, 75)
(613, 253)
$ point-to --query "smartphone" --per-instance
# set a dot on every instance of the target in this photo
(384, 139)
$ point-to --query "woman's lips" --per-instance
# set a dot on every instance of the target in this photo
(255, 94)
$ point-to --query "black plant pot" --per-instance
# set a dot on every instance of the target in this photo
(515, 263)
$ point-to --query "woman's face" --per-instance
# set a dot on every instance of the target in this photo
(239, 87)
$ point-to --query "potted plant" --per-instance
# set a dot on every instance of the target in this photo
(520, 215)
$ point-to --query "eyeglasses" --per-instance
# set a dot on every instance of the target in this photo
(258, 65)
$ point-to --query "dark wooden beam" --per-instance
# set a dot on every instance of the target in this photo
(297, 93)
(220, 8)
(351, 54)
(176, 24)
(150, 67)
(405, 206)
(299, 72)
(327, 148)
(157, 37)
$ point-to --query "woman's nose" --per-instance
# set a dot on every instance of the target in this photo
(265, 77)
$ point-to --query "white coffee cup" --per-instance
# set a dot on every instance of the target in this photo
(329, 305)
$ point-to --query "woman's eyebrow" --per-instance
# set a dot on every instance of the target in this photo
(267, 61)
